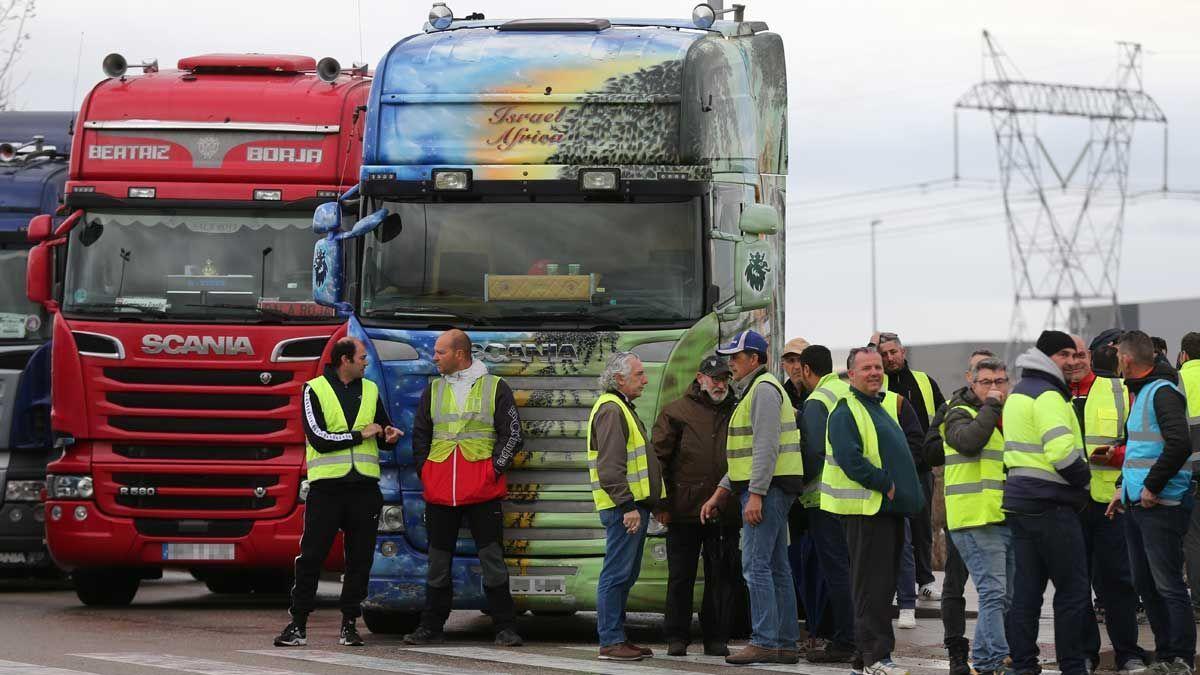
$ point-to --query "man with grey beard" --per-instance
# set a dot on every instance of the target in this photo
(689, 440)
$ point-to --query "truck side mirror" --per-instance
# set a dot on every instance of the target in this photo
(40, 228)
(39, 274)
(369, 223)
(754, 284)
(327, 272)
(759, 219)
(327, 218)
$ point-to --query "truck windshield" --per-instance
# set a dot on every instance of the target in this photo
(620, 263)
(211, 265)
(20, 320)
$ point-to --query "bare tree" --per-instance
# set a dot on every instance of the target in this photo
(15, 16)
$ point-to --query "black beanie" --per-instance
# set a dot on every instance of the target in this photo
(1051, 342)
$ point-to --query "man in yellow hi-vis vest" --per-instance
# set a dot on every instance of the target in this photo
(1189, 382)
(465, 433)
(766, 470)
(626, 484)
(344, 422)
(870, 481)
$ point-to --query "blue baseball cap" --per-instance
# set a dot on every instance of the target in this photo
(745, 341)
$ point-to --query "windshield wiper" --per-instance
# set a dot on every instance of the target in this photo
(262, 311)
(431, 312)
(90, 306)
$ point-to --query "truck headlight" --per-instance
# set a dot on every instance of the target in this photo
(69, 487)
(456, 180)
(391, 518)
(24, 490)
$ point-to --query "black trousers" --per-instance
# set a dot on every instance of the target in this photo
(954, 605)
(352, 508)
(874, 543)
(922, 532)
(486, 522)
(724, 589)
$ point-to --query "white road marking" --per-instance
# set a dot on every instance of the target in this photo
(394, 665)
(186, 664)
(17, 668)
(524, 658)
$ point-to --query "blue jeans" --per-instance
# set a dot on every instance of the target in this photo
(1156, 556)
(829, 538)
(988, 554)
(906, 578)
(622, 563)
(1048, 547)
(810, 584)
(773, 619)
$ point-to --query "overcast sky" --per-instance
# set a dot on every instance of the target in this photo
(872, 87)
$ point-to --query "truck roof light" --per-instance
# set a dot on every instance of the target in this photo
(455, 180)
(599, 180)
(268, 195)
(440, 16)
(142, 192)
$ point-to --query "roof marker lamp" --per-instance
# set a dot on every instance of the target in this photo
(455, 180)
(440, 16)
(142, 192)
(704, 16)
(599, 180)
(268, 195)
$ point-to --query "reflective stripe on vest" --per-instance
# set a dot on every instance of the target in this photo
(472, 429)
(839, 493)
(1034, 453)
(1144, 448)
(1189, 380)
(1103, 422)
(830, 389)
(974, 485)
(739, 444)
(925, 387)
(363, 457)
(637, 467)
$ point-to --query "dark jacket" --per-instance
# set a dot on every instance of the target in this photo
(459, 482)
(1026, 495)
(968, 435)
(797, 397)
(317, 433)
(895, 454)
(1170, 410)
(610, 432)
(903, 382)
(689, 440)
(914, 434)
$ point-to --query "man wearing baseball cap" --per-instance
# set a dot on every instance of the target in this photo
(793, 385)
(689, 440)
(766, 471)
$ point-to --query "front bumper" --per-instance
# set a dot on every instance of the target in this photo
(23, 537)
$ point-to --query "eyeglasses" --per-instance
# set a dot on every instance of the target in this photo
(993, 383)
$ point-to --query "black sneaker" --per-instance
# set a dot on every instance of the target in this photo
(831, 654)
(677, 648)
(716, 649)
(508, 637)
(293, 636)
(350, 636)
(423, 636)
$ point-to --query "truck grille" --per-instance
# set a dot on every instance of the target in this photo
(195, 495)
(202, 452)
(195, 503)
(197, 425)
(171, 401)
(196, 377)
(164, 527)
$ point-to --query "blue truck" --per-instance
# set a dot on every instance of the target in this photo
(33, 169)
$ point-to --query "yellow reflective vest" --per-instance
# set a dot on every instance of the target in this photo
(1104, 414)
(363, 457)
(637, 466)
(974, 485)
(471, 429)
(1189, 381)
(739, 444)
(925, 387)
(839, 493)
(1041, 436)
(830, 389)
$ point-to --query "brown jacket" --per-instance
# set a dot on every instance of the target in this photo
(609, 435)
(689, 440)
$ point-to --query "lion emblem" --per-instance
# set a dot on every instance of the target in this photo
(320, 268)
(208, 146)
(757, 269)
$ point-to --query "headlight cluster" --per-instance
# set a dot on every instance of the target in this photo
(69, 487)
(391, 518)
(24, 490)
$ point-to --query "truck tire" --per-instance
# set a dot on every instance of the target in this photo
(105, 588)
(390, 623)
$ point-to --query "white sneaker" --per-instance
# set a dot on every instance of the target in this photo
(888, 667)
(908, 619)
(928, 592)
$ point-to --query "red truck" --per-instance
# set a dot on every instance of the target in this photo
(180, 284)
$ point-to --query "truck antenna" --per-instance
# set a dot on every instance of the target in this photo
(360, 40)
(78, 61)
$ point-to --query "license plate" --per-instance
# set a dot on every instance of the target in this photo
(193, 551)
(537, 585)
(12, 558)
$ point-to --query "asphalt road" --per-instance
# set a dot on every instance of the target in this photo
(176, 626)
